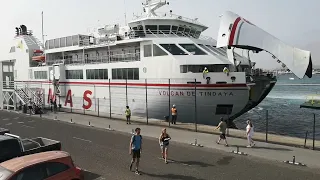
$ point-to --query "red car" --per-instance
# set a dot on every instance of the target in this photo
(51, 165)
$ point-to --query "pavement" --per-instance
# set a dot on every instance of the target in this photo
(237, 133)
(104, 153)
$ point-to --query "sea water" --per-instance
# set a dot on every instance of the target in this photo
(285, 117)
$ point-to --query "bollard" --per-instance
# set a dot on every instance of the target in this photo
(294, 159)
(293, 162)
(55, 118)
(109, 128)
(305, 140)
(196, 143)
(89, 123)
(132, 131)
(238, 152)
(71, 121)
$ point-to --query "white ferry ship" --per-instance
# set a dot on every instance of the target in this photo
(158, 57)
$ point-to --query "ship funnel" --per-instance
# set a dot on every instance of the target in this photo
(238, 32)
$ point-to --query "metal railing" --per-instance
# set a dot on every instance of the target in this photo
(108, 99)
(170, 16)
(127, 57)
(168, 34)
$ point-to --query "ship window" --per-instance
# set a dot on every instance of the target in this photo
(51, 42)
(69, 41)
(40, 75)
(63, 42)
(222, 51)
(136, 73)
(119, 74)
(152, 28)
(197, 34)
(125, 73)
(30, 74)
(13, 49)
(215, 50)
(199, 68)
(186, 31)
(206, 48)
(56, 43)
(97, 73)
(165, 29)
(224, 109)
(47, 45)
(180, 31)
(75, 40)
(174, 29)
(173, 49)
(157, 51)
(192, 32)
(74, 74)
(147, 50)
(193, 49)
(130, 73)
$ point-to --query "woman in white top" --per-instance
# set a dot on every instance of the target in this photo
(249, 131)
(164, 139)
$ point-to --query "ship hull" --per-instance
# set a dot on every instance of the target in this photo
(203, 104)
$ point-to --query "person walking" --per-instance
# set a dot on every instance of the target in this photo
(164, 139)
(174, 114)
(222, 126)
(249, 132)
(135, 149)
(128, 114)
(30, 105)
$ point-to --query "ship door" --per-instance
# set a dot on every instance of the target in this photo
(136, 54)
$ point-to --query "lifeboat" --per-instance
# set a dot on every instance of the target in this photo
(38, 51)
(39, 58)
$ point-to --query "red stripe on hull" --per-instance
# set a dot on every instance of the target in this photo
(233, 31)
(143, 84)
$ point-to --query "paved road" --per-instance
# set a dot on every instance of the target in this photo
(105, 155)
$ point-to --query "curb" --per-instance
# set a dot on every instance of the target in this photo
(239, 152)
(293, 162)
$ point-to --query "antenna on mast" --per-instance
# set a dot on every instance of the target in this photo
(42, 28)
(125, 12)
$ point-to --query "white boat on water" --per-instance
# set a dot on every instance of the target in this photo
(158, 57)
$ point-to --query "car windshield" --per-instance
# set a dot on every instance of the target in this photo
(4, 173)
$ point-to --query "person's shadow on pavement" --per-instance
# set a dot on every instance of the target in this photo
(171, 176)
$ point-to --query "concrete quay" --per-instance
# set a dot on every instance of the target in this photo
(236, 133)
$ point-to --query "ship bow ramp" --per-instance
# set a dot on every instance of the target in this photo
(238, 32)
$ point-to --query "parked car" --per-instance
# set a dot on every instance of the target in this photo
(12, 146)
(3, 131)
(51, 165)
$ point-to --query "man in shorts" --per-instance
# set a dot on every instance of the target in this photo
(135, 149)
(222, 126)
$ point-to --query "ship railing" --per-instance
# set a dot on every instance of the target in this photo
(8, 85)
(168, 34)
(127, 57)
(170, 16)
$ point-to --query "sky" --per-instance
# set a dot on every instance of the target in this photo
(292, 21)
